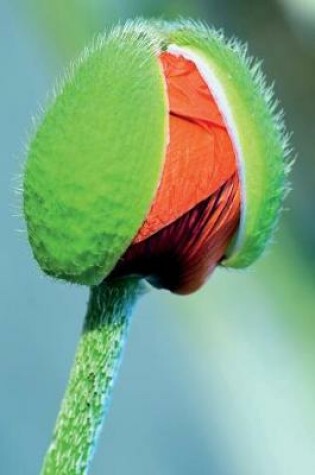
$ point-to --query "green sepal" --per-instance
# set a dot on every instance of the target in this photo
(259, 125)
(95, 161)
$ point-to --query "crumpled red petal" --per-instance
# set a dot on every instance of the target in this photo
(200, 155)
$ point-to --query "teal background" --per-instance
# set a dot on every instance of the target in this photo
(221, 382)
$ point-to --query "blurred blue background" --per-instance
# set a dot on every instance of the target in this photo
(221, 382)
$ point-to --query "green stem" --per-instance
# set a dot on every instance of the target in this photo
(92, 377)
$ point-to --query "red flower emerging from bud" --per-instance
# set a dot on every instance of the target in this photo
(197, 206)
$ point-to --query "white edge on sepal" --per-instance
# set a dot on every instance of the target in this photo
(217, 90)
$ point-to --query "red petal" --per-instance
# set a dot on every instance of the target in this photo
(200, 155)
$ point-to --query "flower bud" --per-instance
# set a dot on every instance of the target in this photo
(161, 156)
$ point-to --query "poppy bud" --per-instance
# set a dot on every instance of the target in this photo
(160, 156)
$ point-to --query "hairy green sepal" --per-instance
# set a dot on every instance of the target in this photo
(95, 161)
(260, 130)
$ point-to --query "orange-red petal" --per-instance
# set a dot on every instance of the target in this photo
(200, 156)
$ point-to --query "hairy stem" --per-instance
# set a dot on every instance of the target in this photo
(92, 377)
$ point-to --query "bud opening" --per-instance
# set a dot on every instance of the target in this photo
(196, 209)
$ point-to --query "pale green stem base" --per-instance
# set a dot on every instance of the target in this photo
(92, 378)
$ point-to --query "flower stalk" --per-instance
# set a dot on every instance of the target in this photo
(92, 377)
